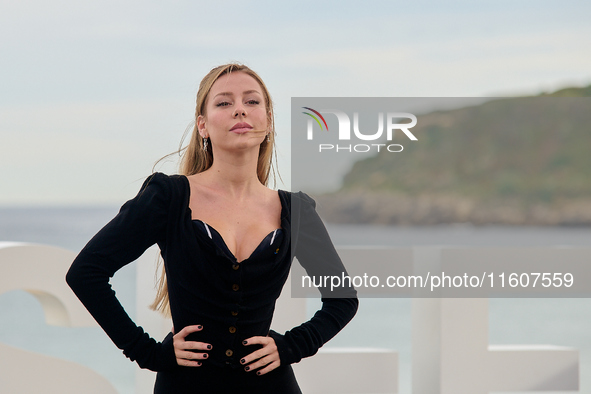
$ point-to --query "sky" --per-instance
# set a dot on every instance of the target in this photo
(92, 94)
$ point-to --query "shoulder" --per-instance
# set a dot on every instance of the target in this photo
(301, 208)
(299, 198)
(160, 191)
(161, 183)
(162, 180)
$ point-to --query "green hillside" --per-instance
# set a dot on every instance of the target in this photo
(519, 152)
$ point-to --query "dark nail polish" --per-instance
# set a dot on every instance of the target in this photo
(205, 355)
(244, 342)
(259, 373)
(208, 347)
(198, 364)
(246, 368)
(242, 361)
(200, 327)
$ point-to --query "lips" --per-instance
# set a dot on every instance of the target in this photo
(241, 127)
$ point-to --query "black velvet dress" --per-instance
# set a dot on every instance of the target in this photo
(232, 300)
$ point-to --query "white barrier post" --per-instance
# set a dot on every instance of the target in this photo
(451, 354)
(41, 270)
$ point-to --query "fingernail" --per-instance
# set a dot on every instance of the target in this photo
(198, 364)
(246, 368)
(209, 347)
(259, 373)
(205, 355)
(200, 327)
(244, 342)
(242, 361)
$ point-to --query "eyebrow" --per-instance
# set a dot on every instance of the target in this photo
(245, 92)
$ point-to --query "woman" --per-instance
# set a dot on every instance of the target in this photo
(222, 281)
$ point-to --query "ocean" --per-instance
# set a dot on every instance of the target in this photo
(380, 323)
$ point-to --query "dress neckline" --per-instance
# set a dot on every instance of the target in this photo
(272, 235)
(284, 214)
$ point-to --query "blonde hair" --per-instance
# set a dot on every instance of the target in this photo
(195, 160)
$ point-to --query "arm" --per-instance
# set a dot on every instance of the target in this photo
(317, 255)
(140, 223)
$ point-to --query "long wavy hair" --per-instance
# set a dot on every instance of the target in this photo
(193, 159)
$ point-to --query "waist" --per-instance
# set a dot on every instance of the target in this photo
(210, 379)
(226, 339)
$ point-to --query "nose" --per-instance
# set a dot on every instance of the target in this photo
(239, 111)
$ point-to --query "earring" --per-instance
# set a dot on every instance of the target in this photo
(204, 144)
(268, 137)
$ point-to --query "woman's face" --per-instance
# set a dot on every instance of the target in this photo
(235, 113)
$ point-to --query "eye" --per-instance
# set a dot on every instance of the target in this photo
(253, 102)
(223, 104)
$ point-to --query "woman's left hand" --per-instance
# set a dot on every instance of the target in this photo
(267, 356)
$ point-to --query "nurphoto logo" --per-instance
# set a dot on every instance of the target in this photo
(392, 121)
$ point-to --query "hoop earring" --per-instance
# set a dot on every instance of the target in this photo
(204, 144)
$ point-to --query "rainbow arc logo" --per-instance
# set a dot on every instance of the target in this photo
(315, 118)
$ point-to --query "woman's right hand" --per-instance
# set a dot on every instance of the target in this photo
(185, 350)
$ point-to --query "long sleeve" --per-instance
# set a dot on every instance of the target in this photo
(316, 253)
(140, 223)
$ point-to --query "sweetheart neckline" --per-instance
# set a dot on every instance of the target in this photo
(226, 245)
